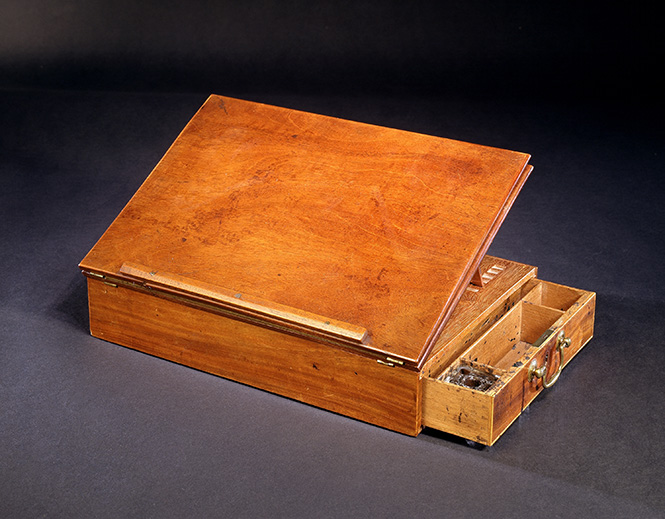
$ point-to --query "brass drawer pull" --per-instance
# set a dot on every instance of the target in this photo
(535, 372)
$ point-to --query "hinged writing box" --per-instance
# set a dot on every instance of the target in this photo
(340, 264)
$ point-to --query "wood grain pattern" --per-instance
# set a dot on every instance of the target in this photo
(330, 378)
(370, 226)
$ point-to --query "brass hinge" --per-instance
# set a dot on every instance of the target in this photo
(390, 362)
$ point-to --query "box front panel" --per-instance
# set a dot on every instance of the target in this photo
(457, 410)
(318, 374)
(576, 323)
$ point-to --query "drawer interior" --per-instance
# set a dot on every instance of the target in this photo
(522, 328)
(505, 344)
(509, 339)
(551, 295)
(478, 394)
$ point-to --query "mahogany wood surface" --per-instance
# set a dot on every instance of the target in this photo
(332, 378)
(376, 228)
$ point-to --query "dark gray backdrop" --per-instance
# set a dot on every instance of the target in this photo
(91, 95)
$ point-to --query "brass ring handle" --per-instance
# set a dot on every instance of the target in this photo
(535, 372)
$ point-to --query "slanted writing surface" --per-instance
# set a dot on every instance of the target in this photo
(375, 227)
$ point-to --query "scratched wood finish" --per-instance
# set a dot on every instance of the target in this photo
(507, 347)
(376, 228)
(330, 378)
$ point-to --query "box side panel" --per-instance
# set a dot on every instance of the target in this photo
(315, 373)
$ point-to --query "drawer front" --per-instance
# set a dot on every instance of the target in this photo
(517, 358)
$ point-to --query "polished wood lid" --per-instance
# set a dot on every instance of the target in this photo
(360, 235)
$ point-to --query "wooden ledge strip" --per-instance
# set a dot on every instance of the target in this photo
(244, 304)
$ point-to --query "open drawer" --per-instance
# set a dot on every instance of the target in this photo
(483, 390)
